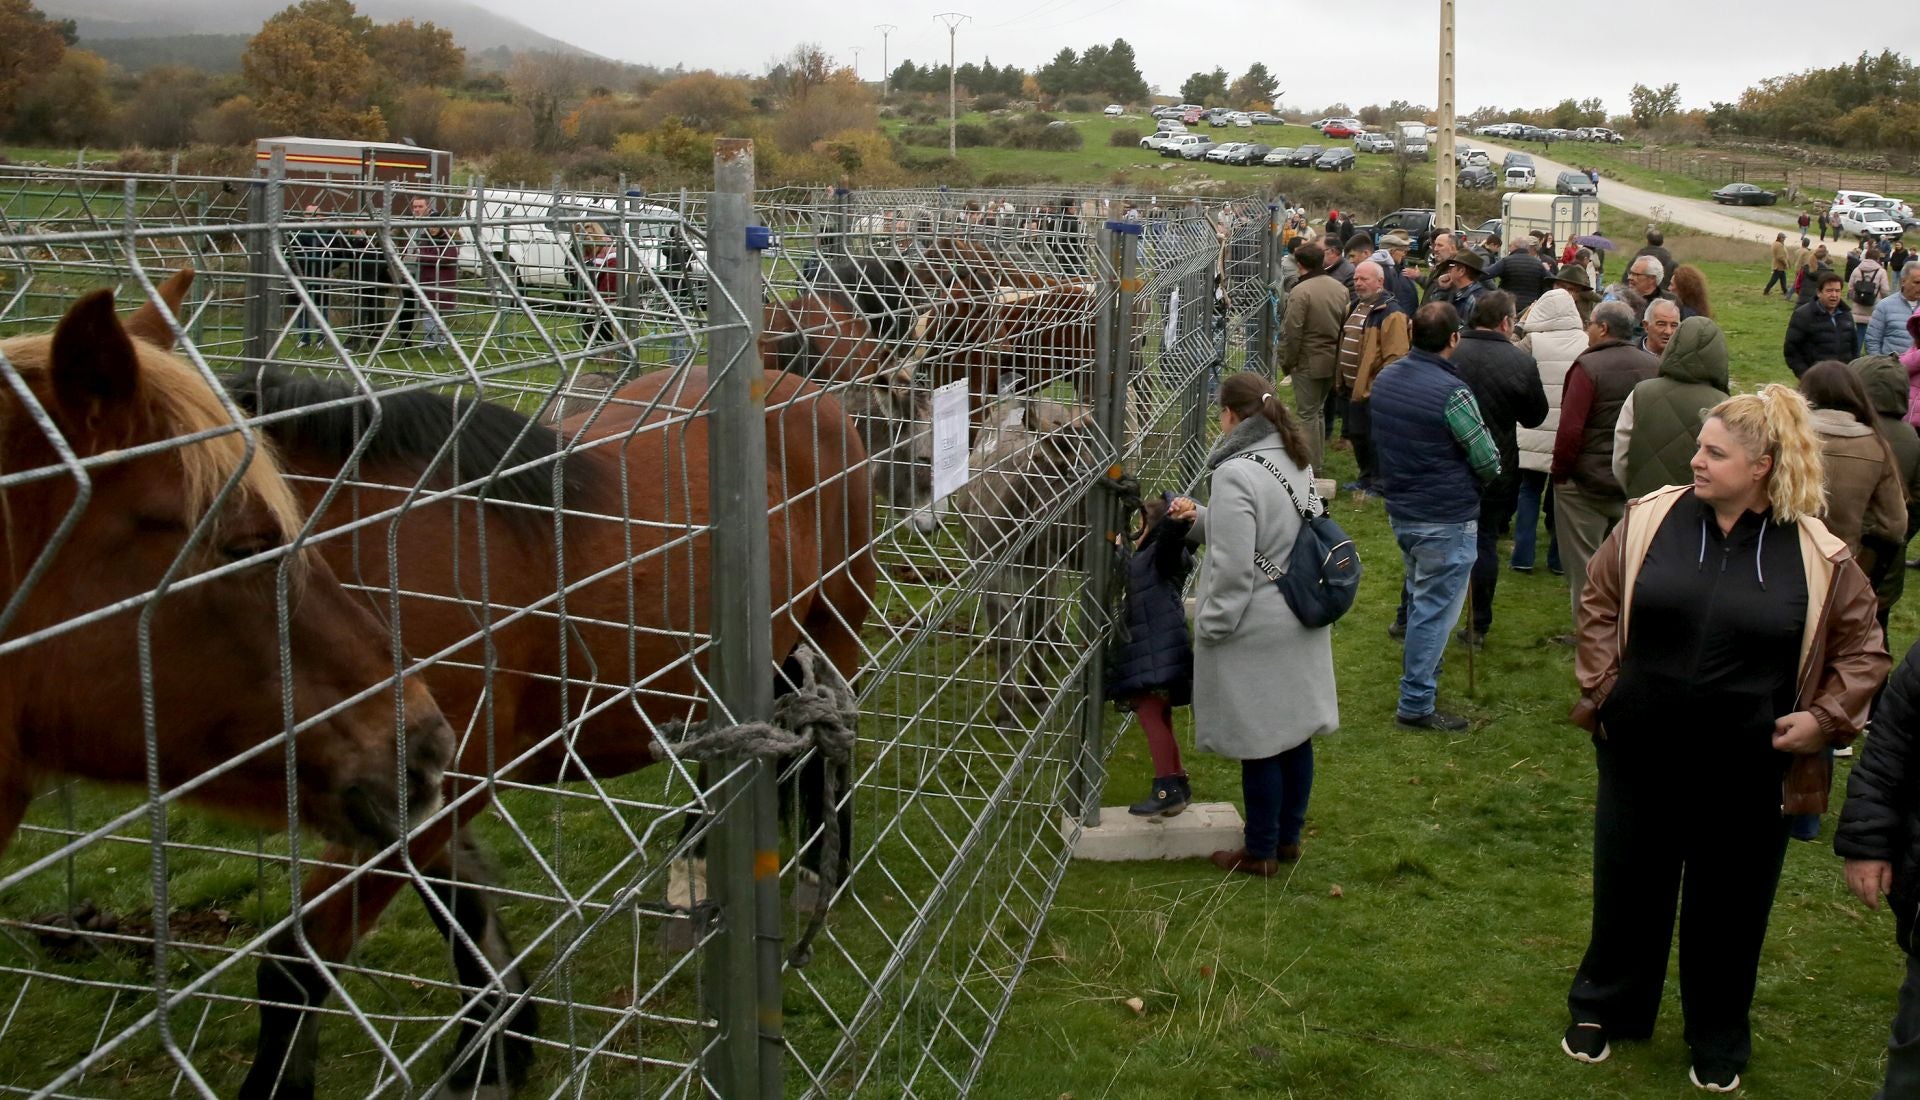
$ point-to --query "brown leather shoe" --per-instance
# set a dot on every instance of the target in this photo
(1237, 860)
(1288, 853)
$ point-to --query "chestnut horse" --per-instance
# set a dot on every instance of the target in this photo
(563, 615)
(110, 608)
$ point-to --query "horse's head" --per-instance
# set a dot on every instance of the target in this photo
(895, 419)
(152, 573)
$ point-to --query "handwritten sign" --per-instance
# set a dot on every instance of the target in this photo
(949, 438)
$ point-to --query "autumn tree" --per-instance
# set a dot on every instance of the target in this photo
(545, 85)
(413, 55)
(794, 77)
(1256, 85)
(161, 111)
(235, 121)
(30, 45)
(839, 104)
(1650, 107)
(313, 74)
(415, 115)
(702, 100)
(68, 104)
(469, 126)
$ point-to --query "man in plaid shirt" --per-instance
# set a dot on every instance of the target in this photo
(1434, 453)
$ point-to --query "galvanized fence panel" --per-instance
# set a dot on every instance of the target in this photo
(490, 406)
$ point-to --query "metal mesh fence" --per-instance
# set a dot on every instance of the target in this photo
(416, 566)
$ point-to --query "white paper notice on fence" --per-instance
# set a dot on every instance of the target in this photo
(949, 438)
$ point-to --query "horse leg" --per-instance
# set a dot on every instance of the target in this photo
(290, 982)
(15, 794)
(686, 880)
(484, 1065)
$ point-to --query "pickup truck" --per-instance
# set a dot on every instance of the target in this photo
(1416, 223)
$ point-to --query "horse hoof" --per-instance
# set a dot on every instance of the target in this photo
(808, 898)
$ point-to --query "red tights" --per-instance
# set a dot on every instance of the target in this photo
(1156, 719)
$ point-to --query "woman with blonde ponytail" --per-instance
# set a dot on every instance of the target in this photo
(1262, 680)
(1726, 640)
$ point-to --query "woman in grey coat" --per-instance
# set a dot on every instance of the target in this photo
(1263, 683)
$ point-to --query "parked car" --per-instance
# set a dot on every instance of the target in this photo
(1574, 183)
(1866, 221)
(1335, 160)
(1321, 123)
(1263, 118)
(1169, 112)
(1179, 143)
(1341, 128)
(1373, 143)
(1193, 116)
(1744, 194)
(1171, 126)
(1900, 210)
(1219, 153)
(1157, 140)
(1217, 117)
(1245, 122)
(1476, 177)
(1417, 222)
(1478, 235)
(1513, 159)
(1278, 158)
(1415, 146)
(1250, 152)
(1472, 158)
(1305, 155)
(1520, 177)
(1114, 110)
(1197, 149)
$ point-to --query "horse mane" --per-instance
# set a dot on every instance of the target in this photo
(414, 427)
(177, 400)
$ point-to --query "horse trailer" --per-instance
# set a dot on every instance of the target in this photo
(318, 170)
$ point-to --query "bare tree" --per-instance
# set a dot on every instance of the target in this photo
(544, 84)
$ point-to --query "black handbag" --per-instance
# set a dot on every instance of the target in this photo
(1323, 571)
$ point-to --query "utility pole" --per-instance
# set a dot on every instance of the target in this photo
(857, 50)
(1445, 171)
(886, 73)
(952, 19)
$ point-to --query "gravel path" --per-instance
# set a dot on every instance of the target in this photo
(1744, 223)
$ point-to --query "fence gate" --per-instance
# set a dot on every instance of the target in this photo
(487, 487)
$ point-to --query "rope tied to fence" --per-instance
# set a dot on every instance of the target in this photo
(821, 713)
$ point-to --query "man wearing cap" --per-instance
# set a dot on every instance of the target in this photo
(1658, 324)
(1310, 333)
(1573, 279)
(1392, 258)
(1458, 281)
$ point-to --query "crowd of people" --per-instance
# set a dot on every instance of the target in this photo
(1731, 562)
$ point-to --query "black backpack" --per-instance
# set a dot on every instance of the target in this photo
(1323, 571)
(1865, 293)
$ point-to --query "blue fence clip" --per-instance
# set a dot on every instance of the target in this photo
(841, 192)
(759, 238)
(1131, 229)
(636, 193)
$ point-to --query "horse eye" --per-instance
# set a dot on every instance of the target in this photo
(251, 546)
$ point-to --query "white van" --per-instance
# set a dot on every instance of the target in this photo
(531, 233)
(1520, 177)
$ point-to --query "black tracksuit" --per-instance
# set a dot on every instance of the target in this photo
(1689, 805)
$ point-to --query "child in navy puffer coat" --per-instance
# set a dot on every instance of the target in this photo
(1150, 668)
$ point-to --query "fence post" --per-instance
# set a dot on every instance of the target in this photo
(742, 967)
(262, 317)
(842, 198)
(1113, 347)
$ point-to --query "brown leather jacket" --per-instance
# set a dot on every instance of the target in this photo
(1381, 344)
(1843, 655)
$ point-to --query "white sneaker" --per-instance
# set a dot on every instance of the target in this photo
(1843, 752)
(1712, 1086)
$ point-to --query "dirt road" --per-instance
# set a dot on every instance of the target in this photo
(1745, 223)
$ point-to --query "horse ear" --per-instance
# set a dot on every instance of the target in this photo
(149, 323)
(94, 364)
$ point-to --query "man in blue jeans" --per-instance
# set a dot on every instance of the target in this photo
(1434, 454)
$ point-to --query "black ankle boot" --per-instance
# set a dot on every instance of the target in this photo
(1170, 795)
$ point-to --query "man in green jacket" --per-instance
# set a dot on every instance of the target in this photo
(1659, 426)
(1310, 335)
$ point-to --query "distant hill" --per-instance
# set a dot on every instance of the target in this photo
(139, 33)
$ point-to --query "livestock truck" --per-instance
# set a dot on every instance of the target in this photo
(1562, 216)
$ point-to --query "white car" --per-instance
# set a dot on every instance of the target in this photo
(1114, 110)
(1866, 221)
(1156, 141)
(1895, 207)
(1219, 153)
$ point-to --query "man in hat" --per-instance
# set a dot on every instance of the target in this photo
(1458, 281)
(1392, 258)
(1573, 279)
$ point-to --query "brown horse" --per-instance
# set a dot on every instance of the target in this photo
(148, 580)
(556, 663)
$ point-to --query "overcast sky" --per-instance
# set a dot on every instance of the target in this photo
(1511, 52)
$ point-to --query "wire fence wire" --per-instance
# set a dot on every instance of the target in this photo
(494, 414)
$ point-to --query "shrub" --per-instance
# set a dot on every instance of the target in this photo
(1039, 135)
(936, 170)
(1079, 104)
(1124, 139)
(992, 101)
